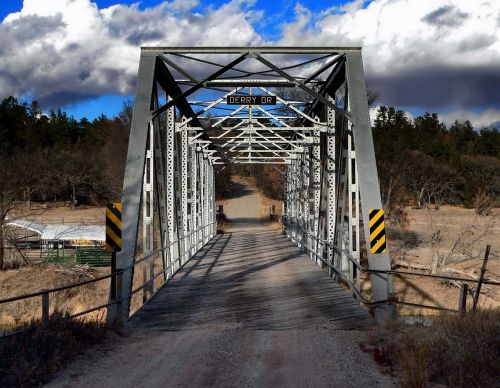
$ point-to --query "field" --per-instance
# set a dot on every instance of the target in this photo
(456, 238)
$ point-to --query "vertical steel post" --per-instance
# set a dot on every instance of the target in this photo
(147, 213)
(194, 199)
(184, 195)
(306, 169)
(294, 199)
(212, 201)
(369, 189)
(204, 204)
(132, 185)
(170, 185)
(316, 171)
(331, 181)
(353, 210)
(300, 200)
(160, 164)
(286, 212)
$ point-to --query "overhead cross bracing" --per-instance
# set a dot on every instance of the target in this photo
(302, 110)
(249, 133)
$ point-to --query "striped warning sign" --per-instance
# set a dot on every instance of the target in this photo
(377, 231)
(114, 227)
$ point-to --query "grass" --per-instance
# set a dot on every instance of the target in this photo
(32, 357)
(453, 350)
(42, 276)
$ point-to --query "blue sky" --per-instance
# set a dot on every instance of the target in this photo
(441, 56)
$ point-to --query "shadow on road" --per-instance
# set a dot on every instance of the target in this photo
(237, 190)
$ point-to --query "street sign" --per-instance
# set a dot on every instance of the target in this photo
(251, 100)
(114, 227)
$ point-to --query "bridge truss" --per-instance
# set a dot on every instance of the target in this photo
(195, 111)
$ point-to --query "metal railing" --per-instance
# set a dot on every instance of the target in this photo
(383, 273)
(117, 275)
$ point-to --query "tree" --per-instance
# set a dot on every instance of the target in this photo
(10, 193)
(488, 143)
(482, 177)
(125, 115)
(78, 170)
(430, 181)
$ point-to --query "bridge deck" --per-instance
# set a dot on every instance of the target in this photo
(256, 280)
(250, 310)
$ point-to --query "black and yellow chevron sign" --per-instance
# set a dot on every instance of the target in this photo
(114, 227)
(377, 231)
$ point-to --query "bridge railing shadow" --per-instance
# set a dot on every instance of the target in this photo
(238, 291)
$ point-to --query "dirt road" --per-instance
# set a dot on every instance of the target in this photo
(250, 310)
(245, 209)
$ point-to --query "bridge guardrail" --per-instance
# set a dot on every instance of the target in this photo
(364, 269)
(45, 294)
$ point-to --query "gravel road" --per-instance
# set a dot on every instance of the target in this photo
(245, 208)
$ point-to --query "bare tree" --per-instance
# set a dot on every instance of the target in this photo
(78, 169)
(483, 174)
(125, 114)
(10, 195)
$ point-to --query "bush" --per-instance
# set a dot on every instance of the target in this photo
(32, 357)
(457, 351)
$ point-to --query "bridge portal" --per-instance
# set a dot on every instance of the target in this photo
(302, 110)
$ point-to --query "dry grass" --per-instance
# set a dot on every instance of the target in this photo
(31, 358)
(452, 350)
(37, 277)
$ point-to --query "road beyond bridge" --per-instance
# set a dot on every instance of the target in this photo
(250, 309)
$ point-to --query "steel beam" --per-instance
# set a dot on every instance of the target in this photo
(239, 50)
(367, 173)
(132, 185)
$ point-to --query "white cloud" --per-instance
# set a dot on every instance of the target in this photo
(64, 51)
(397, 34)
(486, 118)
(432, 54)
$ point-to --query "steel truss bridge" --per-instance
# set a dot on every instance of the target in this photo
(304, 111)
(195, 112)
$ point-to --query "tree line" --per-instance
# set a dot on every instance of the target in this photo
(53, 157)
(423, 162)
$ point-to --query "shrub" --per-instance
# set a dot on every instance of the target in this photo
(33, 356)
(458, 351)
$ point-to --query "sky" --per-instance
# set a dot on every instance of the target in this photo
(419, 55)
